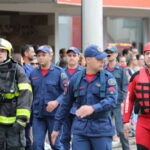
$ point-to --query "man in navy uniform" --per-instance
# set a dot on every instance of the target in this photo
(91, 95)
(48, 82)
(71, 69)
(121, 75)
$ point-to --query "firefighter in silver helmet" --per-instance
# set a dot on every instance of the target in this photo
(15, 100)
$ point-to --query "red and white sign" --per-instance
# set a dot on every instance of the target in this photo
(114, 3)
(73, 2)
(127, 3)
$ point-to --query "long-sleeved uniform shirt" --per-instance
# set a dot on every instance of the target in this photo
(89, 94)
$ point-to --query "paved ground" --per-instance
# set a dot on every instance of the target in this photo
(132, 147)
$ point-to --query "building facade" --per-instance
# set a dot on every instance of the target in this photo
(58, 22)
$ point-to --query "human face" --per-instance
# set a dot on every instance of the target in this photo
(122, 60)
(147, 58)
(95, 64)
(113, 55)
(44, 59)
(134, 61)
(135, 51)
(3, 55)
(83, 62)
(34, 63)
(64, 53)
(30, 53)
(72, 59)
(141, 60)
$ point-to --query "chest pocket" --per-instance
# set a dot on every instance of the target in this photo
(118, 77)
(80, 92)
(36, 82)
(51, 85)
(96, 90)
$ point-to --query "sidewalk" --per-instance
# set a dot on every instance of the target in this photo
(132, 145)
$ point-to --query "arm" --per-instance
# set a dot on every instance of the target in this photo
(63, 87)
(125, 83)
(128, 105)
(130, 99)
(64, 108)
(25, 97)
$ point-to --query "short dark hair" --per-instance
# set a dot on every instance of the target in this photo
(61, 50)
(125, 51)
(24, 49)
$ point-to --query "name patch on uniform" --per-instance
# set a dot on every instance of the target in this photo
(111, 82)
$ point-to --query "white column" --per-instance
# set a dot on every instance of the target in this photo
(92, 23)
(56, 56)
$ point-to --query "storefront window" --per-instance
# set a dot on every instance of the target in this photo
(69, 31)
(124, 30)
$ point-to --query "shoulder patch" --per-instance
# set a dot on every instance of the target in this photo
(111, 82)
(63, 76)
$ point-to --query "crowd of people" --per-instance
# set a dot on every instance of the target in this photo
(85, 98)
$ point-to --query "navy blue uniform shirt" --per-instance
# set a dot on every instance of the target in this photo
(47, 88)
(89, 94)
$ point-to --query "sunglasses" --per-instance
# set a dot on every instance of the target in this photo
(34, 64)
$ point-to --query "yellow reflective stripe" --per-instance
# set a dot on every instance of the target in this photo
(11, 95)
(21, 123)
(23, 112)
(24, 86)
(7, 120)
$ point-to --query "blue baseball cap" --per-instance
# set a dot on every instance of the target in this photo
(112, 49)
(73, 49)
(45, 49)
(93, 51)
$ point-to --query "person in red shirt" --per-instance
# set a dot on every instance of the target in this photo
(138, 97)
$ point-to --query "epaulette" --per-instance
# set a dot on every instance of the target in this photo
(107, 73)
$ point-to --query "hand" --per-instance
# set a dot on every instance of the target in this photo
(54, 136)
(52, 105)
(18, 127)
(122, 108)
(126, 130)
(84, 111)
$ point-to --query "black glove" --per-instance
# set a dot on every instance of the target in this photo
(19, 125)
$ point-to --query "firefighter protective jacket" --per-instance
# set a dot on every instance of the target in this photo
(15, 94)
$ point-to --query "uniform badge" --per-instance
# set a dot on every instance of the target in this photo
(63, 76)
(111, 82)
(98, 84)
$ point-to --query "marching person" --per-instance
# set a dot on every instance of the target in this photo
(15, 100)
(138, 96)
(121, 75)
(27, 53)
(72, 68)
(48, 82)
(91, 95)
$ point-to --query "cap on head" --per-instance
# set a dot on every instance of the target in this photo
(112, 49)
(73, 49)
(4, 44)
(147, 47)
(93, 51)
(45, 49)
